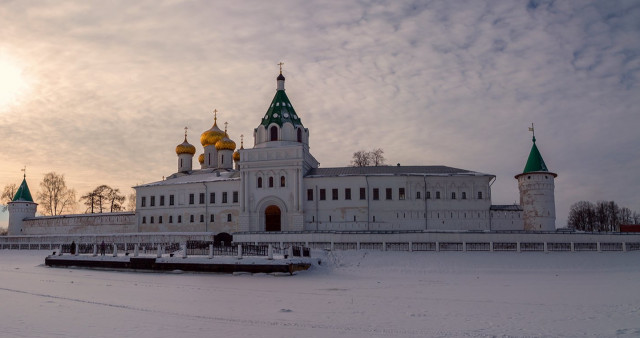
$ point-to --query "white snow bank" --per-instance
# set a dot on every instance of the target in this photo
(351, 294)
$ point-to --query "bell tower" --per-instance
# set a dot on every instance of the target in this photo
(21, 207)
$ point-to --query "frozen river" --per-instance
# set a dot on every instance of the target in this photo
(352, 294)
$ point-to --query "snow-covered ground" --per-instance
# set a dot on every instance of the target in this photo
(352, 294)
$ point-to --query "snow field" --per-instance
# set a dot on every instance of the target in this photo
(351, 294)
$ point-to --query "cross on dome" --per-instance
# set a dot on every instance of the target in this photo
(280, 64)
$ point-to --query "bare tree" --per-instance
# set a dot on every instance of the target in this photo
(377, 158)
(8, 193)
(115, 199)
(361, 159)
(54, 196)
(103, 198)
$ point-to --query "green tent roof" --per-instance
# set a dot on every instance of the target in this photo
(535, 161)
(23, 193)
(281, 110)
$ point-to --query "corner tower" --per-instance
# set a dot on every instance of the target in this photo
(21, 207)
(537, 197)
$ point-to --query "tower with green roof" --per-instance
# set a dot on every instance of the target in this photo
(537, 197)
(273, 169)
(21, 207)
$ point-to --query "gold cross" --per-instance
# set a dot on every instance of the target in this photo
(280, 64)
(241, 141)
(215, 115)
(25, 171)
(225, 127)
(185, 132)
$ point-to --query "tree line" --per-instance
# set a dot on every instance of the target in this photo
(362, 158)
(55, 198)
(600, 216)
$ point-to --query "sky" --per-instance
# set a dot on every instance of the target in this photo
(101, 91)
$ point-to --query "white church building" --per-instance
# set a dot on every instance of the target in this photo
(278, 185)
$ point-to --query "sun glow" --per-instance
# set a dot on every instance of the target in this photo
(12, 82)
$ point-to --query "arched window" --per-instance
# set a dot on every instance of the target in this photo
(259, 182)
(270, 182)
(282, 181)
(151, 219)
(299, 135)
(274, 133)
(221, 159)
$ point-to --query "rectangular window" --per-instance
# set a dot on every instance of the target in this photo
(323, 194)
(170, 219)
(389, 193)
(161, 200)
(201, 198)
(464, 195)
(201, 218)
(212, 197)
(191, 218)
(428, 195)
(224, 197)
(228, 217)
(179, 218)
(160, 219)
(144, 220)
(347, 194)
(479, 195)
(191, 199)
(151, 220)
(213, 219)
(309, 194)
(235, 197)
(453, 195)
(171, 199)
(363, 193)
(143, 201)
(334, 194)
(376, 194)
(401, 193)
(437, 195)
(153, 201)
(418, 195)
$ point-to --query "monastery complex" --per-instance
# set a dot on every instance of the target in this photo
(277, 185)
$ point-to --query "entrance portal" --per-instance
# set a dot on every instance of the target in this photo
(272, 218)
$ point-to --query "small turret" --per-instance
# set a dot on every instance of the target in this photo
(537, 196)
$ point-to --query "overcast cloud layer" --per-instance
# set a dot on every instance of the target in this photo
(111, 85)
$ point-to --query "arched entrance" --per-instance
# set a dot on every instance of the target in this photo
(272, 217)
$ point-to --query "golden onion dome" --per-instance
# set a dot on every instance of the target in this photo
(211, 136)
(201, 158)
(185, 148)
(236, 156)
(225, 143)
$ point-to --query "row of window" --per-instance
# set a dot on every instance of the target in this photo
(404, 215)
(192, 199)
(179, 220)
(271, 182)
(376, 194)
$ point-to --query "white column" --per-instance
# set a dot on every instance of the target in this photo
(270, 252)
(159, 251)
(115, 250)
(210, 251)
(95, 250)
(184, 250)
(239, 251)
